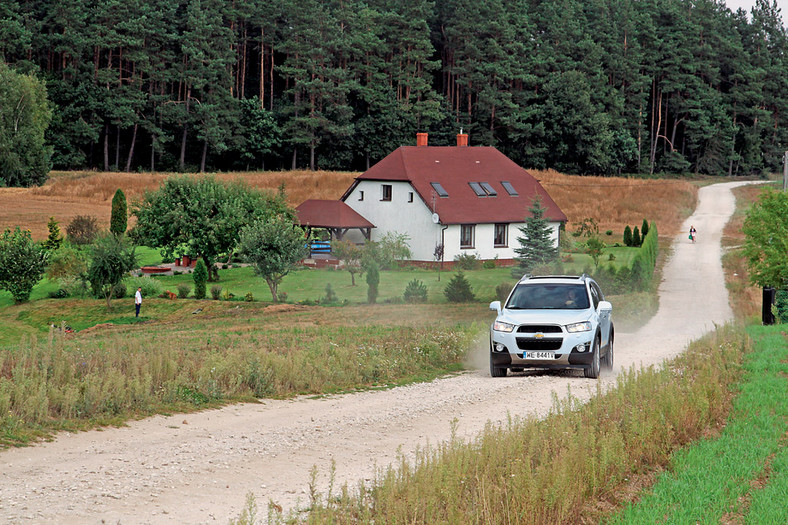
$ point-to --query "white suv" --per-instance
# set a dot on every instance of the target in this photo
(553, 322)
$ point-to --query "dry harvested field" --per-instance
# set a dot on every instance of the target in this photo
(68, 194)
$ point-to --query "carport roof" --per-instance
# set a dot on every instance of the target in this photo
(318, 213)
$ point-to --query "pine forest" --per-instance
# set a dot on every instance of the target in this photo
(581, 86)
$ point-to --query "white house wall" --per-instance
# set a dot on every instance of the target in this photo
(414, 219)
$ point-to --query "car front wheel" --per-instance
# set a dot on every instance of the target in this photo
(496, 371)
(592, 371)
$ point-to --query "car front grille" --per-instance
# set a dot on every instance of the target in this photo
(539, 328)
(539, 344)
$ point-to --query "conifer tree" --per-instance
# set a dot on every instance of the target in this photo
(627, 236)
(119, 218)
(536, 243)
(644, 229)
(636, 237)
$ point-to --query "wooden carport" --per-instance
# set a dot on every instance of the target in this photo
(335, 216)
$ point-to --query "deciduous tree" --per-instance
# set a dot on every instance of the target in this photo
(22, 263)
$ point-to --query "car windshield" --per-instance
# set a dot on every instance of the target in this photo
(530, 296)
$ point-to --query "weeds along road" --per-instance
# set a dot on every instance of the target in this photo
(198, 468)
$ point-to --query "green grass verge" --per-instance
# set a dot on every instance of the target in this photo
(715, 480)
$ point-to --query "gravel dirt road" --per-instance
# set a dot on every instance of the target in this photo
(198, 468)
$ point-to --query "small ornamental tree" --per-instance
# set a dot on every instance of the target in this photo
(644, 229)
(536, 243)
(22, 263)
(54, 240)
(110, 260)
(373, 280)
(595, 247)
(415, 292)
(766, 239)
(459, 289)
(627, 236)
(350, 254)
(636, 237)
(200, 277)
(273, 247)
(119, 218)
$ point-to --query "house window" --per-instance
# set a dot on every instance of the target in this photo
(386, 192)
(467, 232)
(410, 196)
(501, 236)
(509, 188)
(361, 195)
(439, 189)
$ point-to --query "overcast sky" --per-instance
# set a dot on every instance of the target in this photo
(733, 5)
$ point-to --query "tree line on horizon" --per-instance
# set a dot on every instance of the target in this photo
(586, 87)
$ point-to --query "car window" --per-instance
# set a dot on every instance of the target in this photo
(596, 287)
(548, 297)
(595, 292)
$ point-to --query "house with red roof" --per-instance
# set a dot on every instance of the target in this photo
(472, 200)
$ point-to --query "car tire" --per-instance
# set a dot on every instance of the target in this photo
(608, 362)
(496, 371)
(592, 371)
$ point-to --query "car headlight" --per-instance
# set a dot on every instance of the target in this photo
(500, 326)
(585, 326)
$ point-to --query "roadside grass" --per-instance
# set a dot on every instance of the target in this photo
(184, 360)
(565, 468)
(741, 476)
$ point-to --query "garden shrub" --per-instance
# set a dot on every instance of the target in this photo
(636, 241)
(627, 236)
(459, 289)
(373, 280)
(216, 292)
(200, 277)
(467, 261)
(184, 290)
(489, 264)
(415, 292)
(150, 286)
(82, 229)
(248, 297)
(331, 296)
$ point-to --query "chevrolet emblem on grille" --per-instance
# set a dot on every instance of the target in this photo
(539, 335)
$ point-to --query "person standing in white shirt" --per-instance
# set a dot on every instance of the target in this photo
(138, 300)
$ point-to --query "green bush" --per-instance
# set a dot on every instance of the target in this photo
(331, 296)
(184, 290)
(489, 264)
(82, 229)
(373, 280)
(467, 261)
(627, 236)
(459, 289)
(200, 277)
(216, 292)
(781, 306)
(150, 286)
(248, 297)
(415, 292)
(22, 263)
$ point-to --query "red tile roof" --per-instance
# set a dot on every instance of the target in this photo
(330, 214)
(454, 168)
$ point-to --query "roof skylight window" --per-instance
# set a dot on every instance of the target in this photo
(509, 188)
(439, 189)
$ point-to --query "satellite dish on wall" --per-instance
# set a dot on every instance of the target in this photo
(435, 218)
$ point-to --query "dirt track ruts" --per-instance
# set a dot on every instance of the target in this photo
(198, 468)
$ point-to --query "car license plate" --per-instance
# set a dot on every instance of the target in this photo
(539, 355)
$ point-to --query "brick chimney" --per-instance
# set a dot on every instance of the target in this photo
(421, 139)
(462, 139)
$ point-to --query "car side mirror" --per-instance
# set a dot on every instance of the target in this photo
(496, 305)
(605, 306)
